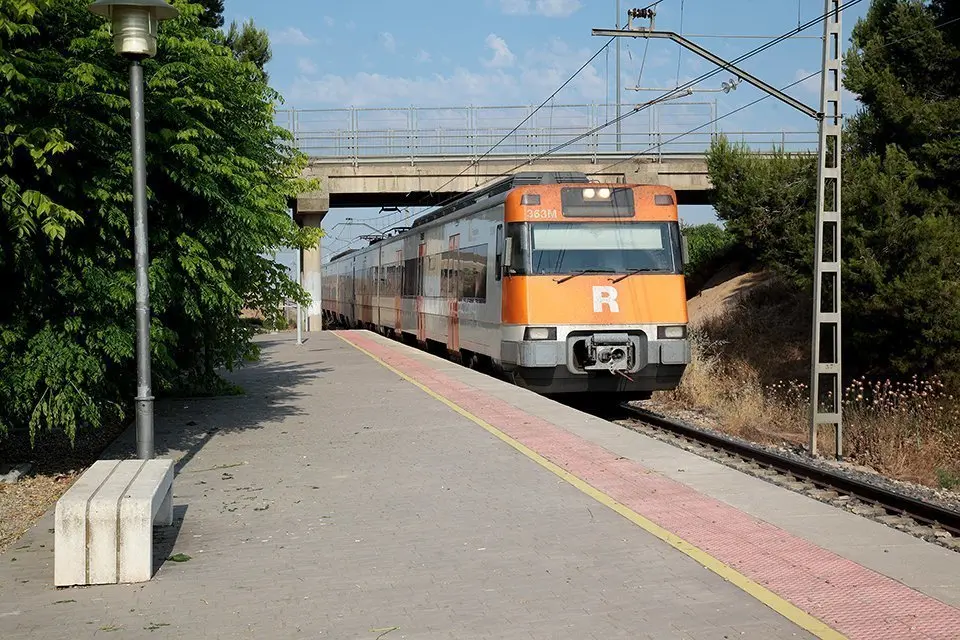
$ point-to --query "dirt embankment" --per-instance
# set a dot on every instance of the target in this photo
(749, 376)
(721, 293)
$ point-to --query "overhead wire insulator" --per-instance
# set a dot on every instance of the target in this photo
(640, 14)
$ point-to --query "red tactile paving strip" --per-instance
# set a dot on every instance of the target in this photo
(854, 600)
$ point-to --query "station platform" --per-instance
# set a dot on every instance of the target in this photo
(364, 489)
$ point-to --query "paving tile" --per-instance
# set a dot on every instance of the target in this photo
(854, 599)
(335, 498)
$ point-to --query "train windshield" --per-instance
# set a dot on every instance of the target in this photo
(565, 248)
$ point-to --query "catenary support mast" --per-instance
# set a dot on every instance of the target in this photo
(826, 386)
(825, 365)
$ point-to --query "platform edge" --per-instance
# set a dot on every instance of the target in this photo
(785, 608)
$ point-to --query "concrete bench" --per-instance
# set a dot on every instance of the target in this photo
(104, 523)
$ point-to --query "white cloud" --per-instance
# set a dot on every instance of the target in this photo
(503, 78)
(290, 35)
(502, 56)
(388, 41)
(329, 21)
(306, 66)
(423, 56)
(376, 90)
(549, 8)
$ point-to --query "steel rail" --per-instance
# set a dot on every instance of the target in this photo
(919, 510)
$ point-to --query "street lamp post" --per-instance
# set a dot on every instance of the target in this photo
(134, 25)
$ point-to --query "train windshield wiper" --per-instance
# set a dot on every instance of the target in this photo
(580, 272)
(631, 272)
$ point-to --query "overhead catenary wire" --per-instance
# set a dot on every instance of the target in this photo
(679, 90)
(743, 107)
(757, 101)
(475, 162)
(530, 115)
(705, 124)
(666, 96)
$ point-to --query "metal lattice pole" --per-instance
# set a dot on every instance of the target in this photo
(826, 383)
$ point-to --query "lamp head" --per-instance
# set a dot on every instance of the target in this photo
(134, 24)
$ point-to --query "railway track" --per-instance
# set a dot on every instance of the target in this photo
(933, 522)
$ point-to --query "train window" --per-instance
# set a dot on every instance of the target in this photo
(449, 274)
(608, 237)
(473, 273)
(411, 277)
(560, 248)
(499, 256)
(519, 250)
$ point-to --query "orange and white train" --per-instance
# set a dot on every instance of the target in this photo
(567, 286)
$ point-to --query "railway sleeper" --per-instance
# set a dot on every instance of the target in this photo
(823, 494)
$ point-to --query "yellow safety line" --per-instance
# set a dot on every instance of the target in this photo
(785, 608)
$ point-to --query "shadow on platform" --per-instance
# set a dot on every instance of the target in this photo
(271, 389)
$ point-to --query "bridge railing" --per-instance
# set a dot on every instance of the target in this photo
(425, 134)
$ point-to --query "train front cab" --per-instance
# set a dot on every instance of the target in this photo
(594, 299)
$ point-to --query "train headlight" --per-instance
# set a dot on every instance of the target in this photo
(671, 333)
(540, 333)
(589, 193)
(603, 193)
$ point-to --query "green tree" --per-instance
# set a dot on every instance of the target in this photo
(711, 248)
(220, 177)
(249, 44)
(212, 15)
(901, 189)
(901, 270)
(768, 204)
(906, 72)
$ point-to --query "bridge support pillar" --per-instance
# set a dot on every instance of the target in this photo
(310, 210)
(311, 262)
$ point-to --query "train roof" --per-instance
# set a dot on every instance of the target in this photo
(342, 253)
(502, 186)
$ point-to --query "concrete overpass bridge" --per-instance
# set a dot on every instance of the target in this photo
(396, 157)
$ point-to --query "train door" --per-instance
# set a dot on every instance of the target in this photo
(495, 295)
(352, 298)
(421, 320)
(378, 288)
(491, 312)
(451, 268)
(397, 293)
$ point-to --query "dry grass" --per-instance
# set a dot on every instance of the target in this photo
(25, 502)
(750, 373)
(57, 463)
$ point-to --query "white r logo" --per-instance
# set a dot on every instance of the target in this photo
(605, 296)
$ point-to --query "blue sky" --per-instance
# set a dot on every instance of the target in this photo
(330, 54)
